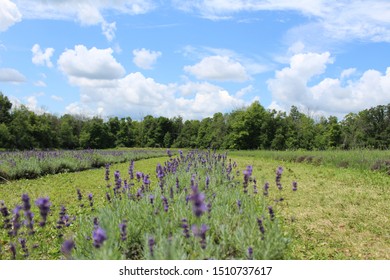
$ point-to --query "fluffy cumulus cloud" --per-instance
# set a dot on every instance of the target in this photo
(138, 96)
(11, 75)
(42, 57)
(144, 58)
(218, 68)
(82, 65)
(9, 14)
(340, 19)
(106, 90)
(293, 85)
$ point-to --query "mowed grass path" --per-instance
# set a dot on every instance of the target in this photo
(62, 188)
(335, 214)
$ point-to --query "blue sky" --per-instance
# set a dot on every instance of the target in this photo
(194, 58)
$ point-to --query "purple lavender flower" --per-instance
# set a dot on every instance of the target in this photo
(12, 248)
(90, 198)
(79, 195)
(169, 152)
(5, 213)
(201, 233)
(123, 230)
(4, 210)
(16, 220)
(151, 243)
(165, 203)
(239, 205)
(61, 222)
(30, 221)
(261, 226)
(295, 186)
(108, 197)
(26, 202)
(279, 172)
(207, 181)
(159, 172)
(139, 194)
(151, 198)
(271, 213)
(139, 175)
(254, 186)
(197, 198)
(23, 243)
(107, 173)
(247, 175)
(67, 248)
(146, 181)
(177, 185)
(250, 253)
(44, 208)
(131, 169)
(266, 187)
(98, 236)
(95, 222)
(185, 227)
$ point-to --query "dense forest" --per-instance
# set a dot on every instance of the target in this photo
(252, 127)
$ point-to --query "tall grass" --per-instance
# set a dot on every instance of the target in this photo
(363, 159)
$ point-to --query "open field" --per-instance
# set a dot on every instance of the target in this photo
(339, 213)
(336, 213)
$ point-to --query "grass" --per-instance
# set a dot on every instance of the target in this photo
(363, 159)
(339, 214)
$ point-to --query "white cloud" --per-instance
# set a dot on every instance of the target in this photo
(329, 95)
(86, 12)
(40, 84)
(57, 98)
(82, 65)
(40, 57)
(9, 14)
(218, 68)
(108, 30)
(342, 19)
(145, 59)
(244, 91)
(136, 95)
(347, 73)
(11, 75)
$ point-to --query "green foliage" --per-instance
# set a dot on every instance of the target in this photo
(251, 127)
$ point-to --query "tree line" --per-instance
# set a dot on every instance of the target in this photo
(252, 127)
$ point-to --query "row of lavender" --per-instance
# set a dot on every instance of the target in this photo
(33, 164)
(198, 206)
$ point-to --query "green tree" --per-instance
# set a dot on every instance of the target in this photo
(5, 109)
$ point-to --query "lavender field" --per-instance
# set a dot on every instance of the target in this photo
(177, 212)
(197, 205)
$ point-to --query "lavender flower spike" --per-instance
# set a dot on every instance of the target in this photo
(44, 208)
(67, 247)
(99, 236)
(123, 230)
(295, 186)
(151, 243)
(201, 233)
(199, 206)
(279, 172)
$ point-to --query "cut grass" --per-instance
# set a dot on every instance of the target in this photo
(336, 213)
